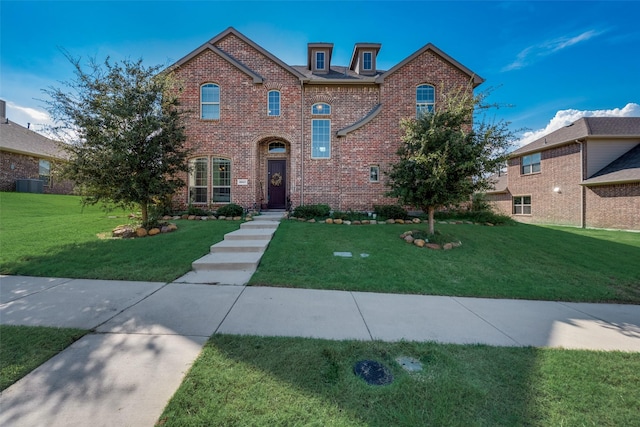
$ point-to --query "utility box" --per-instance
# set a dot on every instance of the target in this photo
(30, 186)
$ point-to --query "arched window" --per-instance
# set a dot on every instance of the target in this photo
(221, 174)
(321, 109)
(210, 102)
(273, 103)
(277, 147)
(425, 99)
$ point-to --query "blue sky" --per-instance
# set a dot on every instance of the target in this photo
(550, 62)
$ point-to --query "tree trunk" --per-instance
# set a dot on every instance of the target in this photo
(144, 208)
(432, 228)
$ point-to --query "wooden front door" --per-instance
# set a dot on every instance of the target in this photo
(277, 179)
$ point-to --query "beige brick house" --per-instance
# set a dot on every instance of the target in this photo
(272, 134)
(586, 174)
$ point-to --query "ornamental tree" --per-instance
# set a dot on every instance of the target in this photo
(446, 156)
(123, 132)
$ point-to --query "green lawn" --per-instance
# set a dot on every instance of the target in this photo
(24, 348)
(250, 381)
(516, 261)
(51, 235)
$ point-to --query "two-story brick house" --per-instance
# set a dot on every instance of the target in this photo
(586, 174)
(267, 133)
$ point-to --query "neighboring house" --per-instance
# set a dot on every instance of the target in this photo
(271, 134)
(27, 155)
(586, 174)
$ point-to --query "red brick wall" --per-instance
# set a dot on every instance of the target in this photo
(613, 206)
(559, 167)
(28, 167)
(244, 129)
(501, 203)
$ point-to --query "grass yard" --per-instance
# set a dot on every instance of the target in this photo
(520, 261)
(51, 235)
(250, 381)
(24, 348)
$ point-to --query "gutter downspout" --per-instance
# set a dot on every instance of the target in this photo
(582, 187)
(302, 157)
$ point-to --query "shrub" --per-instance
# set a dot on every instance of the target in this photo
(193, 210)
(349, 215)
(312, 211)
(390, 211)
(230, 210)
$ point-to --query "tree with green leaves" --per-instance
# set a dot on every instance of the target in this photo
(446, 156)
(123, 131)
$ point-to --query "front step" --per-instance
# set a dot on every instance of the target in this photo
(256, 225)
(228, 261)
(240, 246)
(250, 234)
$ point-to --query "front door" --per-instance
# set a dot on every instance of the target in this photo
(277, 179)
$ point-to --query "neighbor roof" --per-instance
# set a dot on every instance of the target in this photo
(602, 127)
(625, 168)
(18, 139)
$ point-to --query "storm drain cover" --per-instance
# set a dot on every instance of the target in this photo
(409, 364)
(374, 373)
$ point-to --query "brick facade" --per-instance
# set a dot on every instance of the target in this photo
(244, 130)
(15, 166)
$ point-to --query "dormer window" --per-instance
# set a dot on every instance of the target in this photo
(319, 60)
(367, 61)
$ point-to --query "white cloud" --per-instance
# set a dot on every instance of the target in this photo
(548, 47)
(25, 115)
(566, 117)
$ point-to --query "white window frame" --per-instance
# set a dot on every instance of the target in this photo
(321, 142)
(520, 205)
(423, 105)
(364, 60)
(217, 162)
(530, 164)
(374, 173)
(272, 103)
(195, 181)
(208, 103)
(44, 171)
(320, 56)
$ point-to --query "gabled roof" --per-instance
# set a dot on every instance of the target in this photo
(625, 168)
(18, 139)
(210, 45)
(600, 127)
(477, 80)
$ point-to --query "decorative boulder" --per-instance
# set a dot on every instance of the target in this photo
(416, 220)
(364, 221)
(356, 222)
(390, 221)
(237, 218)
(419, 243)
(312, 220)
(409, 239)
(447, 246)
(123, 231)
(345, 222)
(141, 232)
(172, 227)
(399, 221)
(185, 216)
(337, 221)
(154, 231)
(329, 221)
(222, 217)
(433, 246)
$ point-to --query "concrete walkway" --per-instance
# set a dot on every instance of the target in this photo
(146, 335)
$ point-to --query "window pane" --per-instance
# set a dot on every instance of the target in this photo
(277, 147)
(526, 169)
(535, 167)
(274, 103)
(321, 109)
(321, 139)
(366, 61)
(425, 93)
(320, 60)
(527, 200)
(198, 195)
(222, 195)
(210, 93)
(526, 210)
(517, 209)
(374, 173)
(210, 111)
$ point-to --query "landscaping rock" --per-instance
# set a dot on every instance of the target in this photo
(489, 224)
(185, 216)
(447, 246)
(337, 221)
(433, 246)
(176, 217)
(229, 218)
(365, 221)
(172, 227)
(237, 218)
(419, 243)
(329, 221)
(390, 221)
(399, 221)
(302, 220)
(221, 217)
(416, 220)
(154, 231)
(345, 222)
(312, 220)
(409, 239)
(356, 222)
(141, 232)
(123, 232)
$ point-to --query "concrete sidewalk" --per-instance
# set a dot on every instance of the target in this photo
(146, 335)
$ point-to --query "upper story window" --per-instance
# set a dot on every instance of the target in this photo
(530, 164)
(45, 172)
(425, 99)
(374, 173)
(273, 103)
(210, 102)
(319, 60)
(321, 109)
(367, 60)
(277, 147)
